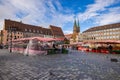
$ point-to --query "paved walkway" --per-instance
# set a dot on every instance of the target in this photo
(74, 66)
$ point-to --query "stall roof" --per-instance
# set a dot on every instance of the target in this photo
(40, 39)
(105, 42)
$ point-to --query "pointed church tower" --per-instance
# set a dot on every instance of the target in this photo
(75, 27)
(78, 27)
(75, 31)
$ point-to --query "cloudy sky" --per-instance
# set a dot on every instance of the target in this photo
(61, 13)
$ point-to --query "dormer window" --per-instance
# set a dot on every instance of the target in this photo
(29, 30)
(25, 29)
(33, 30)
(37, 31)
(41, 31)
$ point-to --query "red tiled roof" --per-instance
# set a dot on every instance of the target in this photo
(68, 36)
(56, 31)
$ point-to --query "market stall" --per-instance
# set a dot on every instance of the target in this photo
(103, 46)
(32, 45)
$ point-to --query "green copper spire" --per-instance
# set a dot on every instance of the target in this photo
(75, 27)
(75, 24)
(78, 26)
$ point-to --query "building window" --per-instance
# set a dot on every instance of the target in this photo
(110, 32)
(33, 30)
(25, 29)
(37, 31)
(29, 30)
(15, 37)
(110, 37)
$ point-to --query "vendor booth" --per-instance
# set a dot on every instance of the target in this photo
(103, 46)
(33, 45)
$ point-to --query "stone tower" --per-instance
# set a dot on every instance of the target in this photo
(78, 27)
(76, 30)
(75, 27)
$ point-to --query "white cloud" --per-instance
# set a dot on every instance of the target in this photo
(94, 9)
(49, 12)
(111, 17)
(35, 12)
(101, 13)
(1, 25)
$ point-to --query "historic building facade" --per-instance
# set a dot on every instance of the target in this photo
(106, 32)
(15, 30)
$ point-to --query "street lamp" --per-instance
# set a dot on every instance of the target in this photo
(11, 29)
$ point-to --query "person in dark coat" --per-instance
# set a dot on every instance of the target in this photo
(54, 46)
(110, 49)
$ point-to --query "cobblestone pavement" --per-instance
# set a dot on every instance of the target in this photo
(73, 66)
